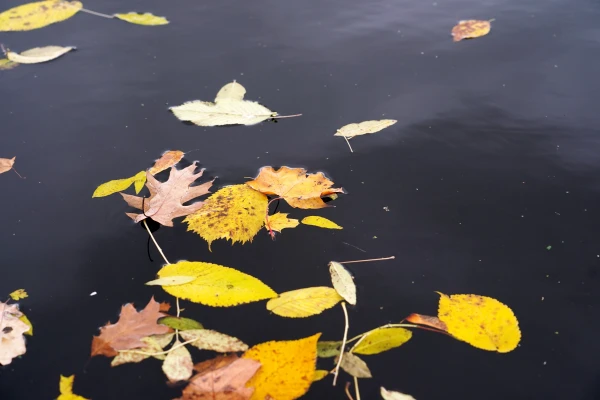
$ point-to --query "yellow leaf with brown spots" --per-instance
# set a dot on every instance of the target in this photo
(287, 368)
(280, 221)
(470, 29)
(481, 321)
(37, 15)
(382, 339)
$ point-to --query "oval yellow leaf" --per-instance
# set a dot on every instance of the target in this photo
(303, 303)
(142, 19)
(382, 339)
(118, 185)
(215, 285)
(343, 282)
(287, 368)
(320, 222)
(481, 321)
(363, 128)
(320, 374)
(172, 280)
(38, 54)
(37, 15)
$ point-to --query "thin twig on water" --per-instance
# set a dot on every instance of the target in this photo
(337, 367)
(97, 13)
(155, 243)
(369, 260)
(356, 390)
(347, 141)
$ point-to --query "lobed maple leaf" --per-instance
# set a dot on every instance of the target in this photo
(167, 198)
(127, 333)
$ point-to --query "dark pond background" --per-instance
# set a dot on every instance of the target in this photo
(495, 156)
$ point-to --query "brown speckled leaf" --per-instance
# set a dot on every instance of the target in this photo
(178, 365)
(207, 339)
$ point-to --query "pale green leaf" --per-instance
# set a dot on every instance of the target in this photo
(328, 349)
(182, 324)
(355, 366)
(38, 54)
(343, 282)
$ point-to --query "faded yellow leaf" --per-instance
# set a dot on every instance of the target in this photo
(12, 341)
(320, 374)
(304, 302)
(118, 185)
(287, 368)
(66, 389)
(26, 320)
(142, 19)
(355, 366)
(280, 221)
(481, 321)
(363, 128)
(215, 285)
(38, 55)
(471, 28)
(178, 365)
(233, 213)
(206, 339)
(37, 15)
(320, 222)
(19, 294)
(6, 64)
(382, 339)
(343, 282)
(6, 164)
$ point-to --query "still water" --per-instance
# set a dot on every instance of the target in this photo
(493, 159)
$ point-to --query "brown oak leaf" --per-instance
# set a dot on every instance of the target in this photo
(127, 333)
(167, 198)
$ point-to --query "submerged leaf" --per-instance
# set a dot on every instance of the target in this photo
(206, 339)
(382, 339)
(142, 19)
(304, 302)
(391, 395)
(117, 185)
(12, 341)
(280, 221)
(180, 323)
(178, 365)
(320, 222)
(37, 15)
(66, 389)
(287, 368)
(355, 366)
(19, 294)
(363, 128)
(215, 285)
(328, 349)
(38, 54)
(471, 28)
(233, 213)
(6, 64)
(343, 282)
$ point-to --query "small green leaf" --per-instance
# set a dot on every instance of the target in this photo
(182, 324)
(328, 349)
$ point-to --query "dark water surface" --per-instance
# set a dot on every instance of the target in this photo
(495, 156)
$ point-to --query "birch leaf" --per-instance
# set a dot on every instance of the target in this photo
(355, 366)
(303, 303)
(215, 285)
(171, 280)
(206, 339)
(382, 339)
(66, 389)
(471, 28)
(6, 64)
(351, 130)
(320, 222)
(229, 108)
(118, 185)
(38, 54)
(6, 164)
(142, 19)
(37, 15)
(391, 395)
(178, 365)
(280, 221)
(343, 282)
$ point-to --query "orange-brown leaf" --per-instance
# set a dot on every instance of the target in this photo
(127, 333)
(223, 378)
(167, 198)
(167, 160)
(6, 164)
(294, 185)
(470, 29)
(427, 320)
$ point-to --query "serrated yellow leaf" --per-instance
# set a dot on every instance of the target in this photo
(280, 221)
(66, 389)
(233, 213)
(382, 339)
(171, 281)
(320, 222)
(26, 320)
(287, 368)
(19, 294)
(142, 19)
(320, 374)
(38, 54)
(139, 180)
(37, 15)
(304, 302)
(215, 285)
(481, 321)
(343, 282)
(118, 185)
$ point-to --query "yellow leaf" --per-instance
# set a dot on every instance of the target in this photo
(19, 294)
(66, 389)
(481, 321)
(363, 128)
(343, 282)
(37, 15)
(287, 368)
(142, 19)
(215, 285)
(171, 281)
(304, 302)
(320, 374)
(26, 320)
(320, 222)
(117, 185)
(38, 55)
(6, 64)
(235, 212)
(280, 221)
(471, 29)
(139, 180)
(382, 339)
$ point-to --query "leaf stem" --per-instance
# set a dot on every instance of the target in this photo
(287, 116)
(356, 390)
(155, 243)
(337, 367)
(369, 260)
(267, 222)
(346, 389)
(347, 141)
(97, 13)
(163, 352)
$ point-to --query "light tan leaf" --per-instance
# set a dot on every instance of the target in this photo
(37, 15)
(363, 128)
(142, 19)
(12, 341)
(355, 366)
(303, 303)
(178, 365)
(167, 160)
(172, 280)
(343, 282)
(391, 395)
(6, 164)
(207, 339)
(38, 54)
(280, 221)
(471, 28)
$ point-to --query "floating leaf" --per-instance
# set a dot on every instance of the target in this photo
(171, 281)
(118, 185)
(481, 321)
(178, 365)
(215, 285)
(233, 213)
(363, 128)
(12, 341)
(328, 349)
(294, 186)
(426, 320)
(19, 294)
(142, 19)
(320, 374)
(127, 333)
(6, 164)
(180, 323)
(471, 28)
(6, 64)
(304, 302)
(26, 320)
(167, 160)
(343, 282)
(391, 395)
(38, 55)
(167, 198)
(37, 15)
(66, 389)
(287, 368)
(207, 339)
(153, 344)
(382, 339)
(355, 366)
(320, 222)
(229, 108)
(280, 221)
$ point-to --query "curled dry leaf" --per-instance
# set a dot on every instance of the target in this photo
(215, 285)
(38, 54)
(351, 130)
(180, 323)
(6, 164)
(426, 320)
(391, 395)
(167, 198)
(178, 365)
(355, 366)
(233, 213)
(280, 221)
(481, 321)
(12, 341)
(37, 15)
(287, 368)
(19, 294)
(142, 19)
(167, 160)
(343, 282)
(295, 186)
(382, 339)
(206, 339)
(118, 185)
(66, 389)
(320, 222)
(471, 28)
(303, 303)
